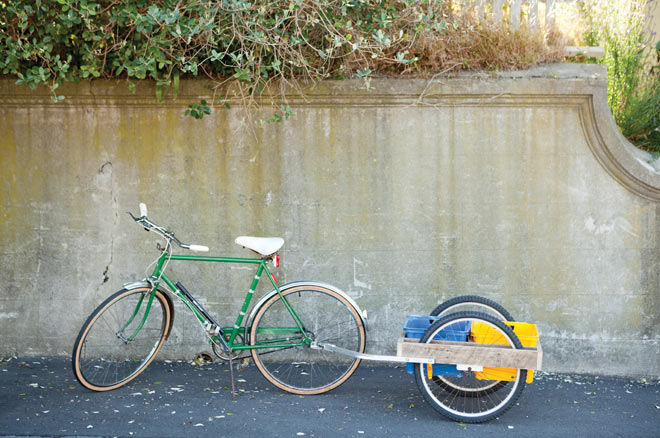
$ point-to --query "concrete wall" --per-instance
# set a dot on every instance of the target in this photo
(515, 186)
(654, 25)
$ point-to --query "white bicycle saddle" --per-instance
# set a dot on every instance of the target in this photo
(263, 245)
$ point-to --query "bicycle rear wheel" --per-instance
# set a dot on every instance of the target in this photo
(104, 357)
(326, 317)
(468, 396)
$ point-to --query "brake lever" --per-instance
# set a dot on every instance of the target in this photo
(137, 219)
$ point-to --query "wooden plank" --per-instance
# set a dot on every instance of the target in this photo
(472, 353)
(550, 13)
(498, 11)
(533, 18)
(515, 14)
(480, 5)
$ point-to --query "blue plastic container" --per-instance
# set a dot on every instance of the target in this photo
(416, 326)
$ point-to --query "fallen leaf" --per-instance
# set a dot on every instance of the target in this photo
(390, 406)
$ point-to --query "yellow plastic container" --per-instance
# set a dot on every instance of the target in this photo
(485, 334)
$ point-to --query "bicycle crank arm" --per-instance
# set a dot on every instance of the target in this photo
(375, 357)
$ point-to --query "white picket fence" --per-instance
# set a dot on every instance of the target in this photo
(535, 13)
(496, 9)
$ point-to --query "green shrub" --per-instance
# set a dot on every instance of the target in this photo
(247, 46)
(248, 42)
(620, 26)
(640, 119)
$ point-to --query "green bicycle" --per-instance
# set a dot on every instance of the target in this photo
(283, 332)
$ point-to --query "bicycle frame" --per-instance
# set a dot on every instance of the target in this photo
(289, 334)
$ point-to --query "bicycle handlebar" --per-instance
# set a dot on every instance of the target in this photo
(149, 225)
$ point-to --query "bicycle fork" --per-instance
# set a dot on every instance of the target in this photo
(120, 333)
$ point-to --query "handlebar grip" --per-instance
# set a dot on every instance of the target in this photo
(143, 209)
(199, 248)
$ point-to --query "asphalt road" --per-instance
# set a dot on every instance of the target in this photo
(39, 397)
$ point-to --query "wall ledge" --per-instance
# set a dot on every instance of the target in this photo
(579, 86)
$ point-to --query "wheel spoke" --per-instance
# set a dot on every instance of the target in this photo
(327, 317)
(101, 359)
(465, 395)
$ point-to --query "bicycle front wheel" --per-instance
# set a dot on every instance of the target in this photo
(116, 343)
(326, 317)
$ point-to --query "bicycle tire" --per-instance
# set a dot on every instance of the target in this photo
(326, 317)
(473, 303)
(486, 402)
(102, 360)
